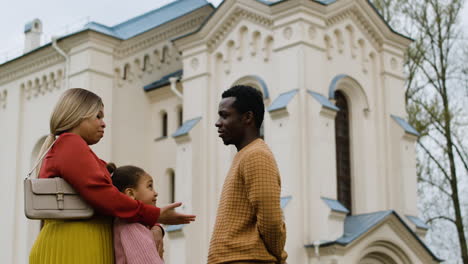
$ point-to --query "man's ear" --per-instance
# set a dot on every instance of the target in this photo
(249, 117)
(130, 192)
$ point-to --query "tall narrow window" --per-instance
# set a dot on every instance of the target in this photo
(343, 163)
(180, 115)
(171, 186)
(164, 124)
(146, 63)
(126, 71)
(165, 54)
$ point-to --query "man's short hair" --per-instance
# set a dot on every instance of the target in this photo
(247, 99)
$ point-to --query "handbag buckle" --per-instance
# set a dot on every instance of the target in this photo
(60, 200)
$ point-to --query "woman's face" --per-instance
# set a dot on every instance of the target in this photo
(91, 129)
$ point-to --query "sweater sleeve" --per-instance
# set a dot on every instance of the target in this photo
(76, 163)
(138, 245)
(263, 188)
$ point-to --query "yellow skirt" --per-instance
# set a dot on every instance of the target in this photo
(70, 242)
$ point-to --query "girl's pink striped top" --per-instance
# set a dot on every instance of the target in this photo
(134, 244)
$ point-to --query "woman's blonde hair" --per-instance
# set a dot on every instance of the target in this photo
(74, 106)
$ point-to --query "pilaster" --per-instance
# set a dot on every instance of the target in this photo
(90, 67)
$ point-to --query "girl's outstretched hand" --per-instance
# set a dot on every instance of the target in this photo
(169, 216)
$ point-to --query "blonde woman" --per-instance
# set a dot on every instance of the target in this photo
(77, 122)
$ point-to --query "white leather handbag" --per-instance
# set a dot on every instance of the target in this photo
(53, 198)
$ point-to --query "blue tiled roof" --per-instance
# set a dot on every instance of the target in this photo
(149, 20)
(335, 205)
(418, 222)
(282, 101)
(186, 127)
(357, 225)
(101, 29)
(270, 2)
(285, 200)
(407, 127)
(323, 101)
(163, 81)
(172, 228)
(325, 2)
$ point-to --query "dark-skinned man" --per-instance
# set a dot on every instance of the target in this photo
(249, 224)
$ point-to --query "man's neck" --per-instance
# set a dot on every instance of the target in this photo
(246, 141)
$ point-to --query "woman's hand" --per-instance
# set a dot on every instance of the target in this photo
(169, 216)
(158, 236)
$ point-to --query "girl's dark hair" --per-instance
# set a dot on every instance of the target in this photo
(125, 176)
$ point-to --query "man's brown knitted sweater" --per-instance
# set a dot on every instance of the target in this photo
(249, 224)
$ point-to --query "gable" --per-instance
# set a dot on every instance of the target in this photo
(225, 20)
(398, 234)
(363, 231)
(365, 18)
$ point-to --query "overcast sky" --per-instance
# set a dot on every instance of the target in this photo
(61, 16)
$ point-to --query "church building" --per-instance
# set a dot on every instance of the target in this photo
(331, 74)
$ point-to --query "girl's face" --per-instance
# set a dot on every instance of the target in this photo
(91, 129)
(144, 190)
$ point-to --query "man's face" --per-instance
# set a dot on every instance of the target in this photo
(230, 126)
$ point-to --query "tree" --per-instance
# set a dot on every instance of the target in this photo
(437, 92)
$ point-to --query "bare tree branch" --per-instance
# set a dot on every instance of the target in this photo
(440, 217)
(436, 161)
(442, 190)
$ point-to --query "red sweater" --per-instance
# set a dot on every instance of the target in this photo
(73, 160)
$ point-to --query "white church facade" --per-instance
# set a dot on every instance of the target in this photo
(331, 73)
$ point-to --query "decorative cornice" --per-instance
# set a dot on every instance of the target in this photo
(141, 43)
(39, 86)
(25, 67)
(158, 60)
(238, 14)
(89, 70)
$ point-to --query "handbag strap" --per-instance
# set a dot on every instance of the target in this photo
(40, 159)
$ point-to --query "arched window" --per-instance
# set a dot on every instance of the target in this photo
(164, 124)
(172, 184)
(343, 157)
(257, 83)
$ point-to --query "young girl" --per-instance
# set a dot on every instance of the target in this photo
(135, 243)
